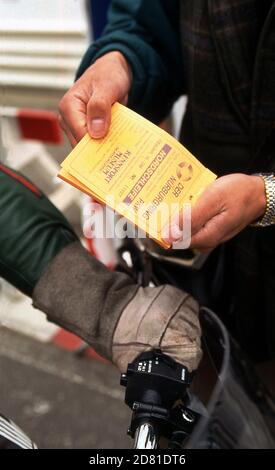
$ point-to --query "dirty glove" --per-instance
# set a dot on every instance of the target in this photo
(118, 318)
(158, 317)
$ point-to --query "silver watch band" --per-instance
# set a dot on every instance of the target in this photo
(269, 215)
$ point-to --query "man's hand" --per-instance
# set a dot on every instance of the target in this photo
(86, 107)
(225, 208)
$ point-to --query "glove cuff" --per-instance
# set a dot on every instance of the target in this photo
(80, 294)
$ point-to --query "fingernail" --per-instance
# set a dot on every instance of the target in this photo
(171, 233)
(97, 127)
(182, 244)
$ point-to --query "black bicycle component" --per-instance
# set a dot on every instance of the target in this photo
(235, 410)
(156, 391)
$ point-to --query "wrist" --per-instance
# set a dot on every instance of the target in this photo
(124, 63)
(118, 59)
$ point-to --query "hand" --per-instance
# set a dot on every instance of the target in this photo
(86, 107)
(163, 318)
(116, 316)
(225, 208)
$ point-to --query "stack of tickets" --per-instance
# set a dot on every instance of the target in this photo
(139, 170)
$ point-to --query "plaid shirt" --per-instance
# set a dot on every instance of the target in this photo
(229, 80)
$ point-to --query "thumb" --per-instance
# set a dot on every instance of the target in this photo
(98, 115)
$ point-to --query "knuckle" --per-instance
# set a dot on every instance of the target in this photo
(99, 103)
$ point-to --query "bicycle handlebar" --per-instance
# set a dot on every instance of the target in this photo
(145, 437)
(156, 391)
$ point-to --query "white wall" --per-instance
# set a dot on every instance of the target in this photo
(42, 14)
(41, 44)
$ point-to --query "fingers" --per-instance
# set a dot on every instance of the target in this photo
(86, 107)
(72, 110)
(225, 208)
(217, 230)
(82, 111)
(105, 94)
(178, 232)
(205, 209)
(81, 114)
(67, 131)
(208, 236)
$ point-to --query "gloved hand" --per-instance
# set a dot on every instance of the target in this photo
(41, 255)
(158, 317)
(114, 315)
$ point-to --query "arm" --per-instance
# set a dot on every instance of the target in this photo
(147, 33)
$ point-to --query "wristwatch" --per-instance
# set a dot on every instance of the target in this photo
(269, 215)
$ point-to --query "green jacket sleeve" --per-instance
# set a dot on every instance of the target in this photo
(147, 33)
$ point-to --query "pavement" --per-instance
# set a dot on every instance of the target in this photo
(60, 400)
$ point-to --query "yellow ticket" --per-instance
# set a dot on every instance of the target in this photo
(139, 170)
